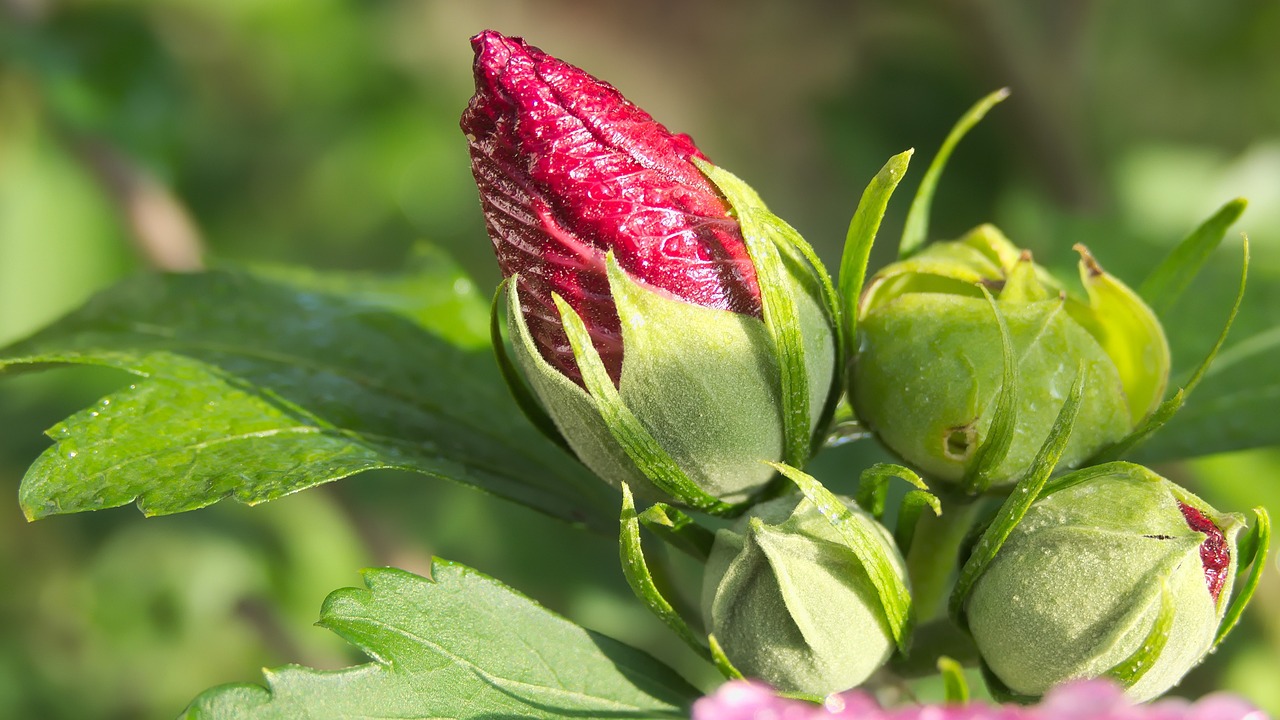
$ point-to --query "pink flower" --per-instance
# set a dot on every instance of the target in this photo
(1086, 700)
(568, 170)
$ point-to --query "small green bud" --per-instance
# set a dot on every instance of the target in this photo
(1120, 574)
(929, 367)
(790, 604)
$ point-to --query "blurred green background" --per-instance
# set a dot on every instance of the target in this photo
(139, 134)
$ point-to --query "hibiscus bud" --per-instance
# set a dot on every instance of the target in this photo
(1114, 566)
(930, 363)
(587, 198)
(789, 602)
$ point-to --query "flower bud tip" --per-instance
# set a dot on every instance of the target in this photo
(1086, 257)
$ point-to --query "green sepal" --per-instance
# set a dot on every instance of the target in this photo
(954, 686)
(807, 697)
(1076, 477)
(873, 486)
(1251, 552)
(1129, 332)
(721, 661)
(873, 489)
(895, 598)
(1130, 670)
(909, 512)
(1170, 278)
(679, 530)
(916, 229)
(792, 240)
(520, 391)
(1024, 283)
(859, 239)
(636, 570)
(710, 397)
(1167, 409)
(649, 457)
(995, 446)
(760, 232)
(1019, 501)
(951, 267)
(1001, 692)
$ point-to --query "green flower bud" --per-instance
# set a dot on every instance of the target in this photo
(790, 604)
(930, 360)
(1115, 571)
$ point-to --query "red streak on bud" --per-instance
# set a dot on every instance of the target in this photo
(1214, 553)
(568, 169)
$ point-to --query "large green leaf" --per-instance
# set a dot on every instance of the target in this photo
(255, 387)
(1233, 406)
(460, 645)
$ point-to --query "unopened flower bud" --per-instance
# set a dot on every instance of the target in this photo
(586, 197)
(790, 604)
(1093, 567)
(930, 362)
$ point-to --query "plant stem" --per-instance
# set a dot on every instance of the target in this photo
(933, 556)
(932, 641)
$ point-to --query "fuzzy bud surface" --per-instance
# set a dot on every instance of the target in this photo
(1080, 584)
(790, 604)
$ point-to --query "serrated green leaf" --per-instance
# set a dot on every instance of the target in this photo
(460, 645)
(861, 236)
(254, 388)
(1019, 501)
(431, 290)
(915, 230)
(1170, 278)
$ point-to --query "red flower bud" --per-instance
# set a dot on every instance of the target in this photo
(1215, 553)
(568, 170)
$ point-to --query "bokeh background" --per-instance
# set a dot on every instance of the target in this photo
(139, 134)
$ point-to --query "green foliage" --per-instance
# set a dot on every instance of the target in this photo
(460, 645)
(254, 388)
(325, 134)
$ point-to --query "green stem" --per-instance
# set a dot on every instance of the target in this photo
(931, 641)
(932, 560)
